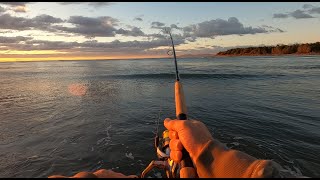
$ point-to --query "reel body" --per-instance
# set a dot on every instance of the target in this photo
(164, 161)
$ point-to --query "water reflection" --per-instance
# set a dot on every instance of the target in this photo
(77, 89)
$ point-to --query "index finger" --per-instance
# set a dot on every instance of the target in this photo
(173, 125)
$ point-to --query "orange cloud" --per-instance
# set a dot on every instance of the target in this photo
(20, 9)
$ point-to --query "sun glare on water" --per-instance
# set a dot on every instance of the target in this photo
(77, 89)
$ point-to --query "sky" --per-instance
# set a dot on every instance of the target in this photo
(31, 31)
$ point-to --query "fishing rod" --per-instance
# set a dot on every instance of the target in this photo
(185, 168)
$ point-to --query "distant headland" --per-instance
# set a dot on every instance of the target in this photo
(295, 49)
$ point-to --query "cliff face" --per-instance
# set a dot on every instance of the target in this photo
(312, 48)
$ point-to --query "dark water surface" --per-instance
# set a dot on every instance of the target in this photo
(268, 107)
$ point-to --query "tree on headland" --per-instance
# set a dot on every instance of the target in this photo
(308, 48)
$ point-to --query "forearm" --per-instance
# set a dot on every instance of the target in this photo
(216, 160)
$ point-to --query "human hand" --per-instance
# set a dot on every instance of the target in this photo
(212, 158)
(102, 173)
(191, 134)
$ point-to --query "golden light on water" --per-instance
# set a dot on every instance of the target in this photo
(77, 89)
(53, 57)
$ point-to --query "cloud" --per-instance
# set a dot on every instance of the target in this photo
(307, 6)
(89, 26)
(99, 4)
(280, 15)
(174, 26)
(315, 10)
(29, 45)
(138, 19)
(46, 19)
(94, 4)
(20, 9)
(16, 23)
(48, 45)
(19, 23)
(161, 26)
(298, 14)
(272, 29)
(157, 25)
(133, 32)
(215, 27)
(2, 9)
(218, 27)
(10, 40)
(311, 9)
(15, 3)
(157, 36)
(132, 44)
(279, 30)
(104, 26)
(191, 39)
(142, 45)
(90, 21)
(87, 46)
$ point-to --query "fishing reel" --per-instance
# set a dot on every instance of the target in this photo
(164, 161)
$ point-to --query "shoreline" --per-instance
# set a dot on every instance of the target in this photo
(238, 55)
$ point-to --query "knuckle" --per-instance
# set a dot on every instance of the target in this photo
(175, 144)
(171, 144)
(184, 123)
(101, 171)
(173, 135)
(83, 174)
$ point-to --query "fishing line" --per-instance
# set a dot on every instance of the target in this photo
(167, 50)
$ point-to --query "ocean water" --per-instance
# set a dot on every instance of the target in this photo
(62, 117)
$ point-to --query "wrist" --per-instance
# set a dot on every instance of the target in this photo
(204, 158)
(211, 148)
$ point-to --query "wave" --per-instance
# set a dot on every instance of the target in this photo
(304, 67)
(192, 76)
